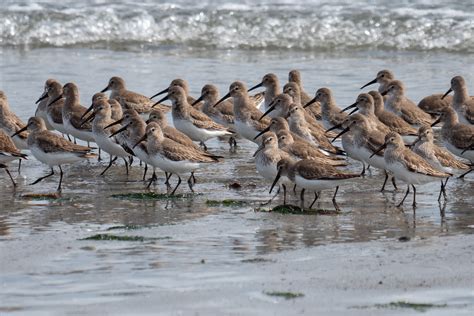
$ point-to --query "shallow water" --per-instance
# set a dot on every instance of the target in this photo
(180, 233)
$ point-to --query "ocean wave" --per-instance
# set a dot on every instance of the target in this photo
(297, 25)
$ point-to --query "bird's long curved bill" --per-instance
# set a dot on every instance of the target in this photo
(270, 109)
(87, 119)
(222, 99)
(378, 150)
(349, 107)
(255, 87)
(105, 89)
(259, 149)
(161, 100)
(160, 93)
(119, 131)
(309, 103)
(262, 132)
(19, 131)
(447, 92)
(369, 83)
(42, 97)
(276, 180)
(436, 122)
(52, 102)
(345, 130)
(143, 138)
(198, 100)
(384, 93)
(114, 123)
(353, 111)
(338, 126)
(87, 111)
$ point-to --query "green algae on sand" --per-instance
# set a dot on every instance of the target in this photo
(150, 196)
(286, 295)
(293, 209)
(226, 202)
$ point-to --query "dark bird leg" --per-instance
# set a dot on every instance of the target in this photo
(191, 181)
(9, 174)
(179, 182)
(466, 173)
(110, 164)
(414, 196)
(316, 196)
(334, 200)
(60, 178)
(144, 173)
(42, 178)
(302, 200)
(406, 194)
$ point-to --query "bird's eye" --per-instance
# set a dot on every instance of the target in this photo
(382, 75)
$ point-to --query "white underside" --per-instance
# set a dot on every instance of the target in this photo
(195, 133)
(176, 167)
(54, 159)
(246, 130)
(110, 146)
(86, 136)
(402, 173)
(20, 143)
(318, 185)
(5, 157)
(375, 161)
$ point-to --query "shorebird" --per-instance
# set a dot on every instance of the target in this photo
(393, 121)
(102, 116)
(54, 110)
(434, 103)
(295, 77)
(185, 86)
(383, 78)
(266, 158)
(300, 149)
(42, 104)
(272, 88)
(311, 175)
(299, 126)
(168, 131)
(401, 106)
(247, 121)
(51, 149)
(365, 142)
(11, 123)
(438, 157)
(458, 138)
(8, 152)
(173, 157)
(407, 166)
(222, 114)
(365, 105)
(192, 122)
(330, 112)
(138, 102)
(462, 103)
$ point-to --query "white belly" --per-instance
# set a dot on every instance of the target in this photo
(176, 167)
(54, 159)
(84, 135)
(402, 173)
(20, 143)
(195, 133)
(4, 158)
(317, 185)
(246, 131)
(375, 161)
(109, 146)
(468, 154)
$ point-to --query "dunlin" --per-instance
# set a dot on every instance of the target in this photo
(462, 103)
(54, 111)
(365, 141)
(272, 88)
(407, 166)
(457, 137)
(401, 106)
(42, 104)
(102, 116)
(393, 121)
(383, 78)
(168, 131)
(11, 123)
(73, 112)
(438, 157)
(365, 105)
(52, 149)
(311, 175)
(137, 101)
(173, 157)
(192, 122)
(300, 149)
(294, 77)
(266, 158)
(8, 152)
(330, 112)
(185, 86)
(247, 121)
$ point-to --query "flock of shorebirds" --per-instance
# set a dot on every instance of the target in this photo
(294, 132)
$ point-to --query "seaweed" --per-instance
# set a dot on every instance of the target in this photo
(227, 203)
(286, 295)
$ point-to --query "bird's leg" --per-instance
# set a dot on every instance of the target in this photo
(179, 182)
(191, 182)
(394, 183)
(406, 194)
(466, 173)
(316, 196)
(126, 165)
(334, 200)
(284, 194)
(42, 178)
(19, 166)
(60, 178)
(110, 164)
(10, 175)
(302, 200)
(414, 196)
(384, 182)
(144, 173)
